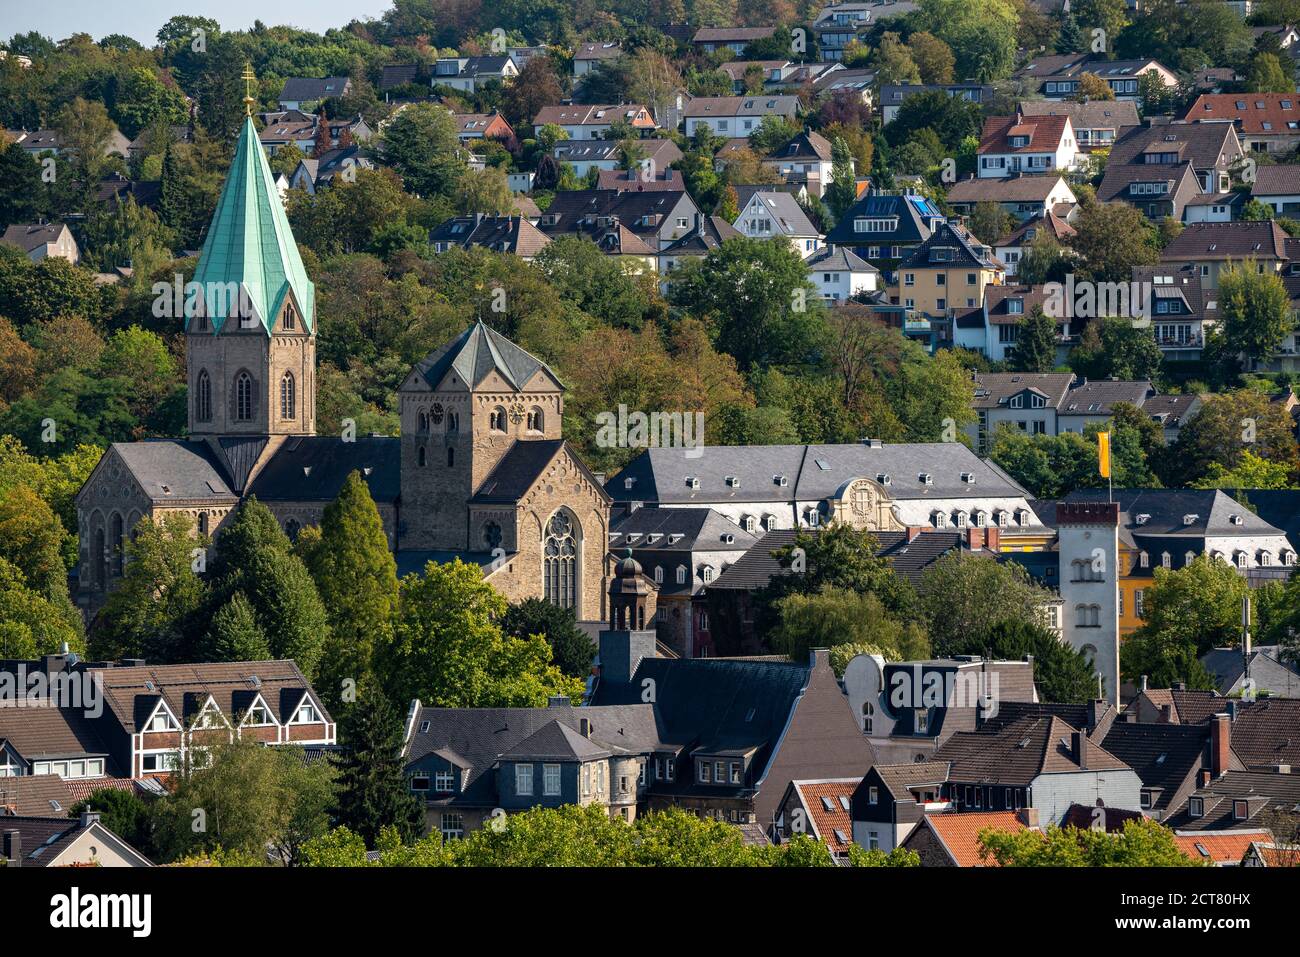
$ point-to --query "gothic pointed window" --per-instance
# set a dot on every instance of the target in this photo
(560, 562)
(118, 544)
(420, 457)
(423, 423)
(288, 405)
(290, 317)
(203, 397)
(451, 457)
(243, 397)
(453, 421)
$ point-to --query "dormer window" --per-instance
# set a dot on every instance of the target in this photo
(306, 714)
(925, 478)
(1196, 807)
(162, 721)
(733, 481)
(258, 716)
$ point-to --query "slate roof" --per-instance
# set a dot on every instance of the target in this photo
(476, 738)
(249, 243)
(476, 353)
(555, 742)
(1170, 410)
(1099, 396)
(298, 88)
(571, 151)
(314, 467)
(710, 234)
(398, 74)
(756, 568)
(1226, 666)
(959, 832)
(807, 145)
(579, 210)
(1070, 65)
(29, 236)
(1279, 507)
(1235, 240)
(1166, 508)
(1093, 115)
(1019, 752)
(732, 34)
(915, 213)
(788, 218)
(514, 234)
(840, 259)
(1266, 794)
(1256, 114)
(891, 95)
(813, 472)
(1117, 183)
(1204, 145)
(1163, 755)
(993, 389)
(966, 250)
(175, 470)
(517, 470)
(693, 529)
(599, 51)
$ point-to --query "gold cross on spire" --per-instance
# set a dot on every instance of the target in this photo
(249, 78)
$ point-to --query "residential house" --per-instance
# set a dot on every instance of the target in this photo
(839, 275)
(1214, 207)
(775, 75)
(469, 73)
(737, 115)
(735, 39)
(586, 155)
(1182, 308)
(1265, 122)
(657, 217)
(588, 56)
(1092, 402)
(839, 24)
(480, 126)
(1010, 249)
(805, 159)
(1211, 149)
(653, 170)
(708, 234)
(594, 121)
(313, 173)
(892, 97)
(393, 76)
(884, 226)
(777, 215)
(40, 142)
(507, 234)
(42, 240)
(949, 271)
(819, 809)
(1024, 197)
(307, 93)
(892, 799)
(1259, 670)
(1172, 412)
(1097, 123)
(953, 840)
(1209, 248)
(859, 83)
(1057, 76)
(153, 715)
(1158, 190)
(62, 841)
(1030, 401)
(1016, 144)
(1278, 187)
(681, 551)
(1169, 758)
(640, 179)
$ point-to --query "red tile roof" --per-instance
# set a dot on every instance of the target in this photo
(959, 832)
(827, 804)
(1219, 847)
(1255, 113)
(1044, 132)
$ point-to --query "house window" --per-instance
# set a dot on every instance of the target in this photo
(736, 773)
(1196, 807)
(681, 574)
(524, 780)
(451, 825)
(873, 795)
(160, 762)
(670, 769)
(258, 716)
(420, 783)
(162, 721)
(444, 781)
(703, 769)
(306, 714)
(868, 716)
(550, 780)
(922, 721)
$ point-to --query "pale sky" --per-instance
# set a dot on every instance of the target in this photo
(142, 18)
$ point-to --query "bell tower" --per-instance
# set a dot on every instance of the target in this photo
(250, 311)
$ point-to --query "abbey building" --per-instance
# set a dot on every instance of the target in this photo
(480, 471)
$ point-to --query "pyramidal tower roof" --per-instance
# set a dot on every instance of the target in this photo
(250, 248)
(478, 351)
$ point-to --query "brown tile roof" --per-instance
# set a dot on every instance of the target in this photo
(35, 795)
(1044, 132)
(1253, 113)
(1204, 145)
(47, 732)
(1276, 180)
(992, 389)
(1235, 240)
(595, 114)
(827, 804)
(1093, 115)
(1016, 189)
(959, 833)
(1020, 751)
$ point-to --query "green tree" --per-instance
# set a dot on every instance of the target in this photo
(835, 616)
(1227, 425)
(989, 222)
(22, 194)
(1186, 612)
(1142, 843)
(965, 597)
(356, 577)
(571, 649)
(31, 624)
(1112, 347)
(1251, 471)
(1255, 310)
(124, 813)
(422, 144)
(449, 649)
(981, 34)
(1266, 75)
(1112, 238)
(373, 790)
(235, 634)
(842, 191)
(1035, 348)
(1061, 673)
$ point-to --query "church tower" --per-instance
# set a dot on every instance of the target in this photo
(250, 313)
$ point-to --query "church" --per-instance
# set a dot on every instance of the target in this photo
(480, 471)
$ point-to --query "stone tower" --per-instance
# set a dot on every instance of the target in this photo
(1088, 549)
(250, 313)
(627, 640)
(462, 409)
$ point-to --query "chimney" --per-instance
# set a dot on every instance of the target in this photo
(1203, 778)
(1179, 686)
(912, 532)
(993, 538)
(1144, 682)
(1078, 745)
(974, 538)
(13, 848)
(1166, 714)
(1028, 817)
(584, 727)
(1220, 744)
(89, 817)
(1095, 710)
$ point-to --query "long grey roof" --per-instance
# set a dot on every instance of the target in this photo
(813, 473)
(700, 528)
(175, 469)
(313, 468)
(1166, 508)
(838, 258)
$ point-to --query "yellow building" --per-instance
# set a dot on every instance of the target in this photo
(948, 271)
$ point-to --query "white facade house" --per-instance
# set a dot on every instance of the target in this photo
(1026, 144)
(469, 73)
(840, 275)
(736, 115)
(777, 215)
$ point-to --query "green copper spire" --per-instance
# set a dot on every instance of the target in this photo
(249, 248)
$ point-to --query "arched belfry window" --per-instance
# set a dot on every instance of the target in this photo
(288, 403)
(560, 561)
(535, 420)
(203, 397)
(290, 317)
(244, 397)
(497, 419)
